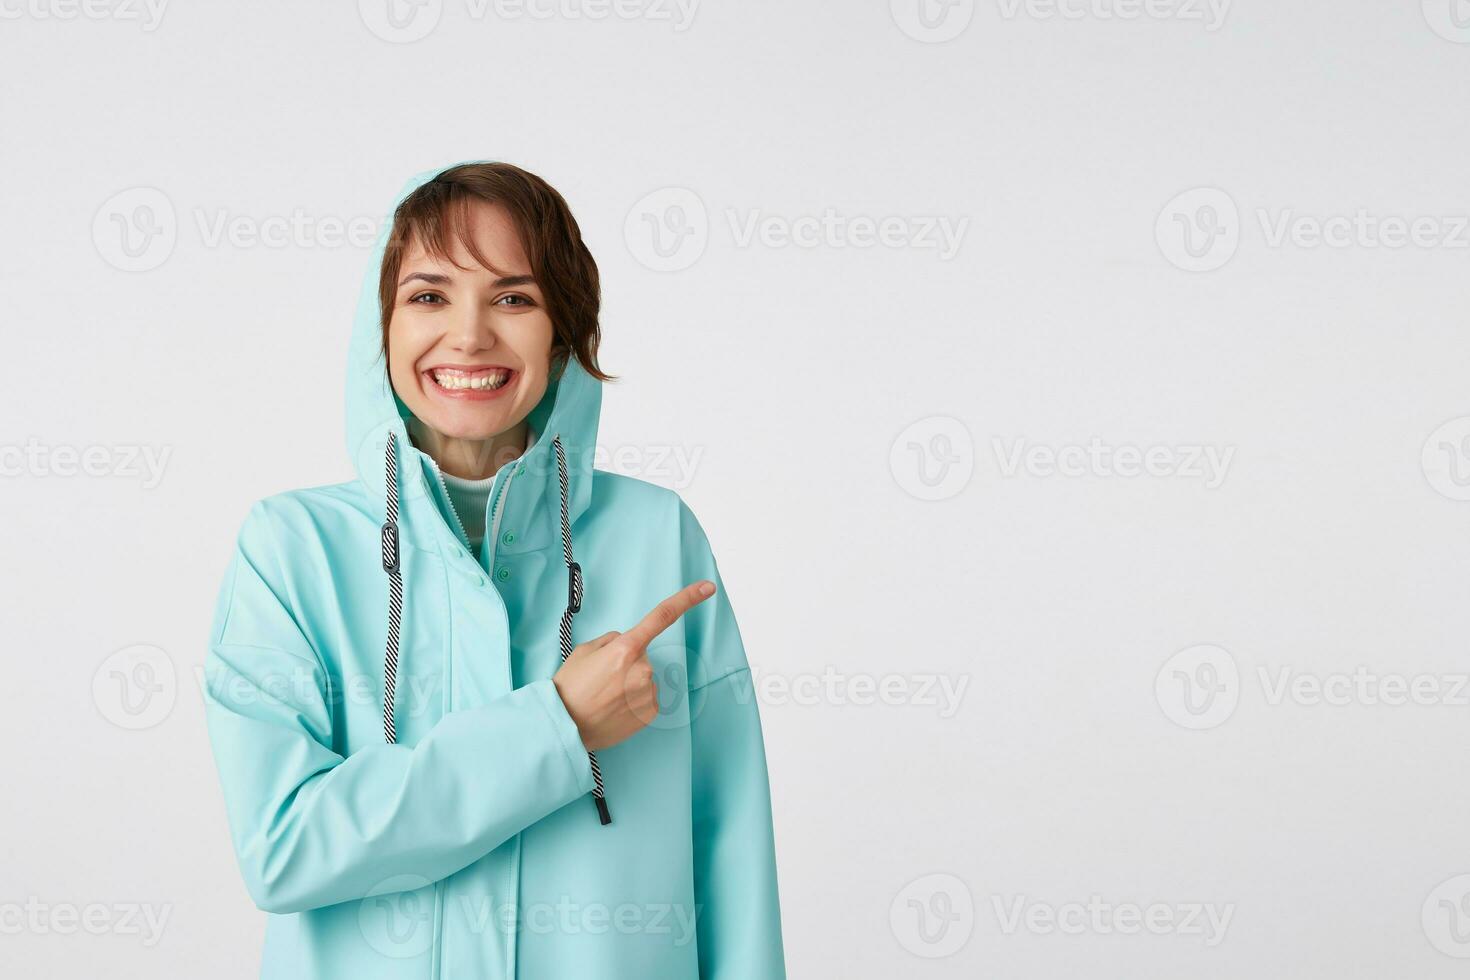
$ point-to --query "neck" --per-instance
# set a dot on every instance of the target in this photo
(471, 459)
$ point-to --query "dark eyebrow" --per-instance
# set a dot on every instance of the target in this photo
(435, 279)
(432, 278)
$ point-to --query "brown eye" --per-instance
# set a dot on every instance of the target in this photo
(430, 299)
(519, 300)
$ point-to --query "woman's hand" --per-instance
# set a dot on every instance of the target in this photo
(607, 683)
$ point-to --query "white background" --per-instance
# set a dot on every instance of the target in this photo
(824, 391)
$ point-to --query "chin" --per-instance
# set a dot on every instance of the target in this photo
(467, 428)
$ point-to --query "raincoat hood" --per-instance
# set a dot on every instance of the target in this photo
(566, 414)
(570, 408)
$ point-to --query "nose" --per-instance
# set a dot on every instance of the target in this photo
(473, 329)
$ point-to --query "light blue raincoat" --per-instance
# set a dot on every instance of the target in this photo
(471, 847)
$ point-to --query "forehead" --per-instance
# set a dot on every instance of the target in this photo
(472, 234)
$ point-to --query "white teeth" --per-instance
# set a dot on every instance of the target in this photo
(455, 381)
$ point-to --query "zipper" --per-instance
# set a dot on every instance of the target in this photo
(498, 494)
(497, 497)
(464, 536)
(437, 965)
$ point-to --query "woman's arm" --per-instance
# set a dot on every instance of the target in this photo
(312, 828)
(735, 888)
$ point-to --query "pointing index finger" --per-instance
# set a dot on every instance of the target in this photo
(668, 611)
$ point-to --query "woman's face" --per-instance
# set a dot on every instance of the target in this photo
(469, 348)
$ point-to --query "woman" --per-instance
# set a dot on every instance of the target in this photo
(484, 711)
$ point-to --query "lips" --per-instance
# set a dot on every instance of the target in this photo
(470, 381)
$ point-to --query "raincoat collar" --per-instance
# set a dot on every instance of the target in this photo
(570, 408)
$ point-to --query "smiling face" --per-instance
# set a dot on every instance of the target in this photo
(469, 343)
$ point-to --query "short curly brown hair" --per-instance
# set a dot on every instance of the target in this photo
(560, 260)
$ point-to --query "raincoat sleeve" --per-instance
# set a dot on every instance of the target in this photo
(738, 917)
(311, 827)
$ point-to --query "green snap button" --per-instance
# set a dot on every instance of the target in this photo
(503, 574)
(520, 468)
(509, 537)
(480, 580)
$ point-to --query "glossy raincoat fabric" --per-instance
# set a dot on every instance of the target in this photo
(471, 848)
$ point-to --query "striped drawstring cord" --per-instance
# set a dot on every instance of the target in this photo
(393, 566)
(574, 605)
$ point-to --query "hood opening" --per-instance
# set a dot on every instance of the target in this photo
(555, 491)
